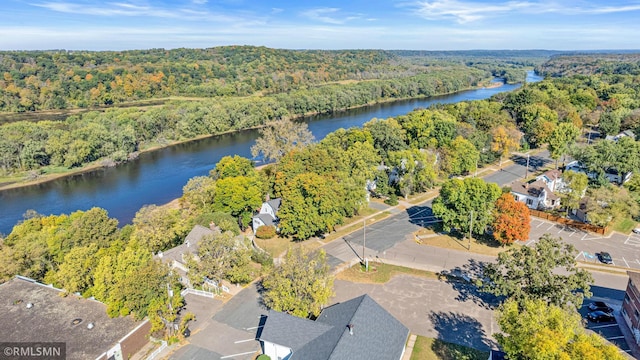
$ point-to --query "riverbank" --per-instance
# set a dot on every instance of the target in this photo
(8, 183)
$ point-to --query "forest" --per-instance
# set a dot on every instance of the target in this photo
(321, 184)
(183, 94)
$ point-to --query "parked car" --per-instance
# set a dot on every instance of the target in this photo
(605, 258)
(600, 306)
(636, 230)
(600, 316)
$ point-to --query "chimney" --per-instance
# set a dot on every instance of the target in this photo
(350, 326)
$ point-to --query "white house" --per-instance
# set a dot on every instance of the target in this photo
(536, 195)
(612, 175)
(268, 214)
(553, 180)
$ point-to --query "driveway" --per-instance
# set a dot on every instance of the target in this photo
(429, 308)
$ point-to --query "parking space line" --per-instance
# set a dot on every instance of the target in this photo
(255, 327)
(577, 256)
(615, 337)
(625, 261)
(550, 226)
(603, 326)
(240, 354)
(584, 236)
(241, 341)
(541, 223)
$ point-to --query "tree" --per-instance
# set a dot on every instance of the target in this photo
(609, 123)
(221, 256)
(505, 140)
(239, 196)
(301, 285)
(535, 330)
(387, 135)
(529, 273)
(463, 202)
(560, 139)
(460, 157)
(197, 194)
(231, 166)
(576, 185)
(512, 220)
(158, 228)
(280, 137)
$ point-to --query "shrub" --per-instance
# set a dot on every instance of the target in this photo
(392, 200)
(266, 232)
(261, 257)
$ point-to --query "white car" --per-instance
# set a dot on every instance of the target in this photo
(636, 230)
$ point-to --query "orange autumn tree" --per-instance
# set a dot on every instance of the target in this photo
(511, 220)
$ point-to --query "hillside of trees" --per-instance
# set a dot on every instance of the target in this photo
(42, 80)
(590, 64)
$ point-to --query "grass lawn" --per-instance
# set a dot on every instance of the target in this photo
(434, 349)
(275, 246)
(623, 225)
(483, 246)
(380, 273)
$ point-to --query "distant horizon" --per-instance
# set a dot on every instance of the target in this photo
(577, 52)
(429, 25)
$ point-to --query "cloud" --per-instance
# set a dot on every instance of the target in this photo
(131, 10)
(469, 11)
(464, 12)
(325, 15)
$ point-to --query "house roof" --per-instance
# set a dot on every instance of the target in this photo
(376, 333)
(265, 218)
(51, 319)
(275, 204)
(553, 174)
(533, 189)
(190, 244)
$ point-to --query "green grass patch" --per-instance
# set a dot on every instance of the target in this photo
(433, 349)
(380, 273)
(275, 246)
(484, 245)
(624, 225)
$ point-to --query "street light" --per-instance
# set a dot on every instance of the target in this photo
(364, 243)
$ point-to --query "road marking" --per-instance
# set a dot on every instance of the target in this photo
(550, 226)
(585, 235)
(638, 261)
(541, 223)
(577, 256)
(602, 326)
(529, 242)
(241, 341)
(625, 261)
(255, 327)
(240, 354)
(615, 337)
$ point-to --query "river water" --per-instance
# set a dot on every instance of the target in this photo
(158, 177)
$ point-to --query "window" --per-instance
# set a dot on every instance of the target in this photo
(636, 313)
(626, 298)
(529, 202)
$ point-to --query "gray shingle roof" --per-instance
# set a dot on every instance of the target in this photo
(51, 319)
(275, 204)
(266, 219)
(376, 333)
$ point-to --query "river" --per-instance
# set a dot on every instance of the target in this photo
(158, 177)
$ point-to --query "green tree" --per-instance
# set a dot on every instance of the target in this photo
(198, 193)
(387, 135)
(561, 139)
(221, 256)
(460, 157)
(231, 166)
(158, 228)
(280, 137)
(239, 196)
(463, 202)
(576, 185)
(535, 330)
(301, 285)
(528, 273)
(609, 123)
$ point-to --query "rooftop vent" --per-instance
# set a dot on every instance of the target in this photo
(29, 305)
(350, 326)
(90, 326)
(76, 321)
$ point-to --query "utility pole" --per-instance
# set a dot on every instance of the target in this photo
(364, 243)
(526, 172)
(470, 229)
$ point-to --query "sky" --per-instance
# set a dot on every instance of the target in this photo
(315, 24)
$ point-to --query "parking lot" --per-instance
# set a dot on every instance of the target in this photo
(608, 330)
(624, 249)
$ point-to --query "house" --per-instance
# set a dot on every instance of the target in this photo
(611, 174)
(357, 329)
(268, 214)
(631, 305)
(553, 180)
(176, 256)
(625, 133)
(34, 312)
(536, 195)
(497, 355)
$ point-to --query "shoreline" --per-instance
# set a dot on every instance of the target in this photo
(97, 165)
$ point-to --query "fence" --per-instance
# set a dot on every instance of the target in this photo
(569, 222)
(197, 292)
(157, 351)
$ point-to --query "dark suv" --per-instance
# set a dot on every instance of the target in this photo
(600, 306)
